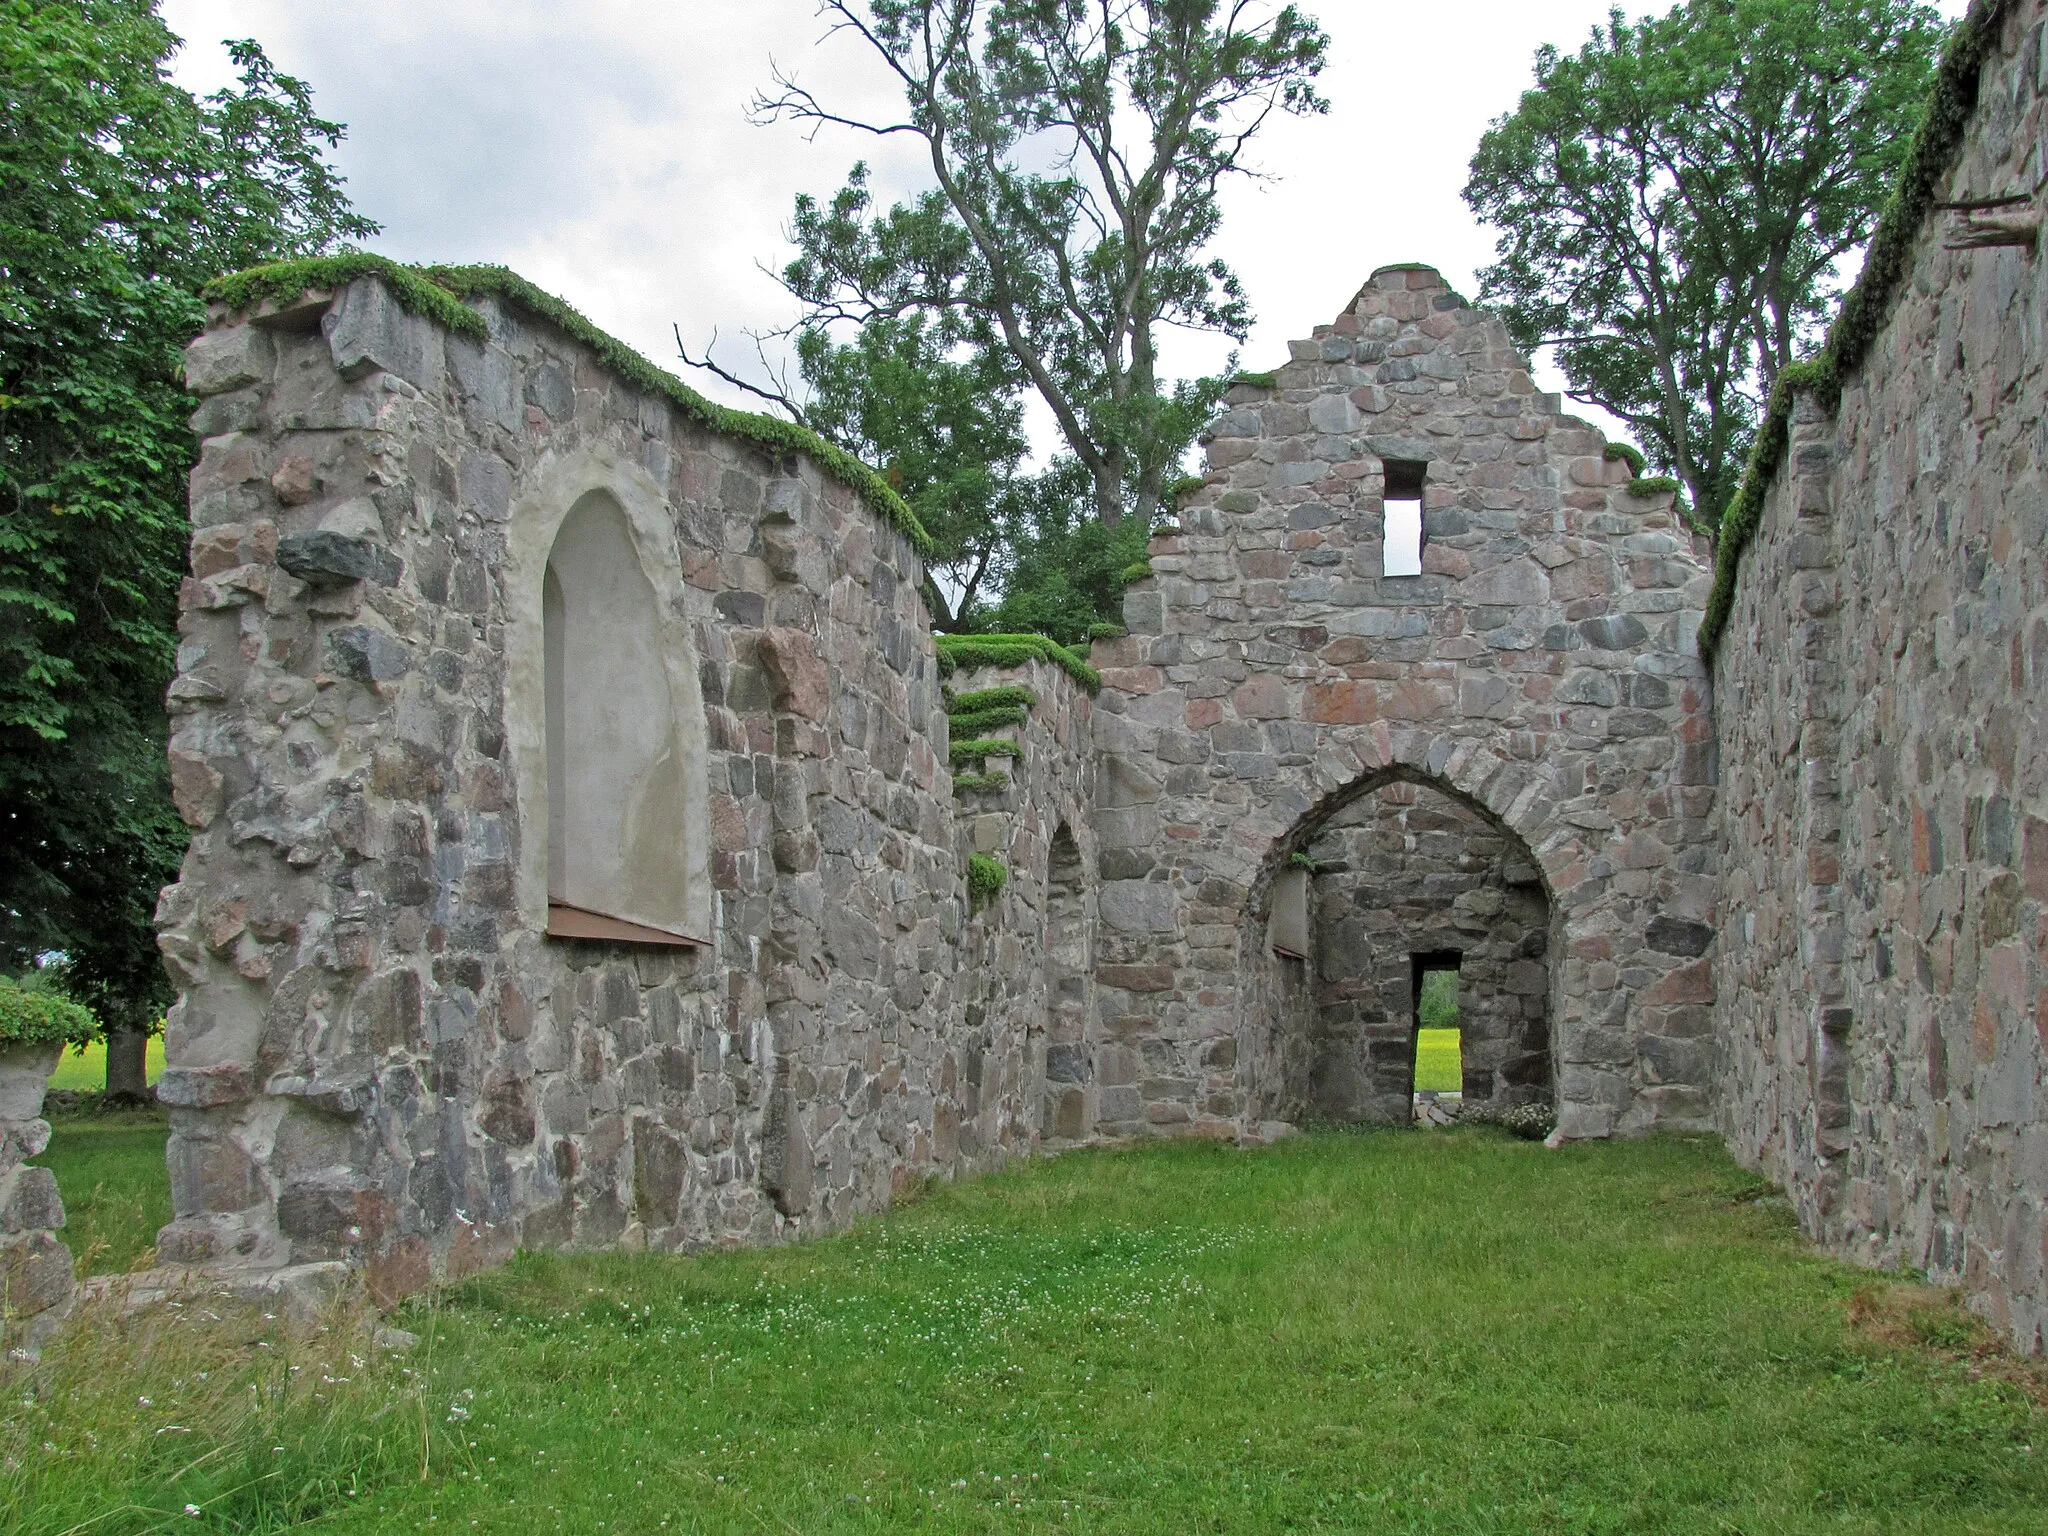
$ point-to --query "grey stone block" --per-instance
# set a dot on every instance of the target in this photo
(367, 655)
(369, 330)
(324, 559)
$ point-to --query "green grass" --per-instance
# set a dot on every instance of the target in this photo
(1437, 1007)
(116, 1190)
(1438, 1064)
(1615, 1337)
(86, 1066)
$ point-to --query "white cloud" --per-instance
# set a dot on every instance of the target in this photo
(603, 149)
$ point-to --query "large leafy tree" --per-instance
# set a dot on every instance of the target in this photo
(1675, 199)
(1076, 148)
(120, 194)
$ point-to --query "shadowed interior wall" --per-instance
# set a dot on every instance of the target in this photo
(1408, 871)
(1069, 983)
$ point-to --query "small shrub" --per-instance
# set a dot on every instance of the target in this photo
(1531, 1122)
(32, 1013)
(986, 875)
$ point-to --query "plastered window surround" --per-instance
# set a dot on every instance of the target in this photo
(605, 720)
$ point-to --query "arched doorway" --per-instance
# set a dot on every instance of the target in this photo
(1411, 886)
(1403, 874)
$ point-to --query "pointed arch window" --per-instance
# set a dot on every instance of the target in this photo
(618, 810)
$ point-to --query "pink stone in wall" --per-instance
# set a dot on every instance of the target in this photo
(1340, 703)
(1263, 698)
(195, 789)
(802, 686)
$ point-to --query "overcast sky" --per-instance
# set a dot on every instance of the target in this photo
(602, 147)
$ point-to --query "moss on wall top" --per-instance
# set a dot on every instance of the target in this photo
(975, 651)
(1867, 306)
(438, 294)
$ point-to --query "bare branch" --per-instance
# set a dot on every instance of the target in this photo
(777, 396)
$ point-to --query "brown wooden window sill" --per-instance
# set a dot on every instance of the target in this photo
(567, 922)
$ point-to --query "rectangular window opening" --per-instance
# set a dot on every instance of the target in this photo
(1439, 1040)
(1401, 526)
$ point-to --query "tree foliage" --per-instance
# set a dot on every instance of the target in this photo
(946, 432)
(120, 194)
(1674, 201)
(1076, 148)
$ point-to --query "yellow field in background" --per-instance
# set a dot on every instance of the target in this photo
(1438, 1061)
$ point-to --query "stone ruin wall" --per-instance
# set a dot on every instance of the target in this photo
(1542, 670)
(1404, 872)
(377, 1058)
(1883, 966)
(379, 1062)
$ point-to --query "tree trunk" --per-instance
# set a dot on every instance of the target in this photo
(127, 1066)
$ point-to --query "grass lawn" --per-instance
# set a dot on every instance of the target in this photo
(1438, 1063)
(1457, 1332)
(116, 1190)
(86, 1067)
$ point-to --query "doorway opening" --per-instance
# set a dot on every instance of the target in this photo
(1411, 879)
(1439, 1041)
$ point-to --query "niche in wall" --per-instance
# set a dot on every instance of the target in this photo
(1289, 932)
(618, 809)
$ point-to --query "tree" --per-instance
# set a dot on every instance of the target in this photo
(120, 194)
(1067, 271)
(1066, 570)
(1675, 199)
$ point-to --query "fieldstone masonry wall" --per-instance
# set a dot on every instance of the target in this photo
(1542, 669)
(35, 1267)
(1883, 968)
(380, 1060)
(377, 1056)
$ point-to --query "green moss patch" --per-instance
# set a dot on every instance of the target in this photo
(974, 751)
(979, 783)
(986, 875)
(1626, 453)
(1651, 485)
(975, 721)
(975, 651)
(437, 293)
